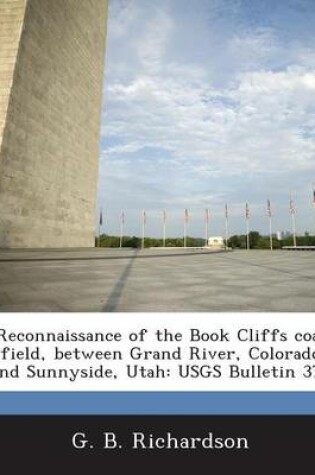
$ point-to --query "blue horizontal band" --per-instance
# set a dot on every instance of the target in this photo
(128, 403)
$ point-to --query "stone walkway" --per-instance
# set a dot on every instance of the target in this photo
(105, 280)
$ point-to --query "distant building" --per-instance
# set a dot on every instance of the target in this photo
(279, 235)
(216, 241)
(283, 235)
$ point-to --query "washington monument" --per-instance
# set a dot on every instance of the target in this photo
(51, 75)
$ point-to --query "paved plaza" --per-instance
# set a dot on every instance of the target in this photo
(114, 280)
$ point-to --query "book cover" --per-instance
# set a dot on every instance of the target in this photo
(157, 235)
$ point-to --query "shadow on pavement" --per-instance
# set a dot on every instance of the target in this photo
(115, 295)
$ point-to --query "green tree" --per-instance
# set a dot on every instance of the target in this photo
(254, 238)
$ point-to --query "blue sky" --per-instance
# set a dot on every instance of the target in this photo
(208, 102)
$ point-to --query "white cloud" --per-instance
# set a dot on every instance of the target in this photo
(201, 124)
(259, 122)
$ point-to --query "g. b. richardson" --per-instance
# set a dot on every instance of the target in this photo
(168, 441)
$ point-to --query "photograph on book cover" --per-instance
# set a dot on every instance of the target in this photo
(158, 157)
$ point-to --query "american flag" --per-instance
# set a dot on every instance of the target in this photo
(122, 217)
(247, 211)
(292, 205)
(226, 211)
(269, 208)
(101, 218)
(314, 194)
(144, 217)
(186, 216)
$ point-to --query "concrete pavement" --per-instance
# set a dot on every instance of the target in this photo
(111, 280)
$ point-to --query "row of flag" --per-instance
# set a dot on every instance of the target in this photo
(292, 209)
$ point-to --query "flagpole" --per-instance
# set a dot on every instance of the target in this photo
(143, 229)
(314, 206)
(185, 227)
(270, 223)
(293, 211)
(247, 227)
(294, 229)
(247, 234)
(99, 228)
(122, 218)
(206, 226)
(121, 234)
(226, 228)
(164, 227)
